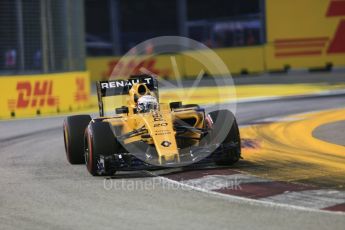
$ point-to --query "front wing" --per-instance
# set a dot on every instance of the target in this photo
(131, 162)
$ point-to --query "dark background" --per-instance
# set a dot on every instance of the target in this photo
(144, 19)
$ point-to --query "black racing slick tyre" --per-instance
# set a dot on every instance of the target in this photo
(73, 132)
(99, 140)
(224, 127)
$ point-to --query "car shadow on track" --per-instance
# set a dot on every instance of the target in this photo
(166, 171)
(130, 175)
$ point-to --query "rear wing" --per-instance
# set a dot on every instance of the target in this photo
(122, 87)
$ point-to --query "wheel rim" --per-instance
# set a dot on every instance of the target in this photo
(66, 142)
(88, 153)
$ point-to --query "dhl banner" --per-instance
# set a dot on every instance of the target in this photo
(305, 33)
(30, 95)
(101, 68)
(237, 60)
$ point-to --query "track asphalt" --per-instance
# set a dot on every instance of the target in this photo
(40, 190)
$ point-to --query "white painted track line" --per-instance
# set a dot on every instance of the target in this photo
(244, 200)
(316, 199)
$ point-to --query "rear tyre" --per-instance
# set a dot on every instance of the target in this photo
(225, 136)
(73, 132)
(99, 140)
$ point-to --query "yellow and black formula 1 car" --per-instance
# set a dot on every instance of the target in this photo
(146, 133)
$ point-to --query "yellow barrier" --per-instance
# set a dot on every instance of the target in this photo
(237, 60)
(30, 95)
(305, 33)
(101, 68)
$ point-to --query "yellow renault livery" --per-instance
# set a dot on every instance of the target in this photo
(144, 133)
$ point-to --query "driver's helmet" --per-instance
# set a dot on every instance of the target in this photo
(147, 103)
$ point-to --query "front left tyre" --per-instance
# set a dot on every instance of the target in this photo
(73, 132)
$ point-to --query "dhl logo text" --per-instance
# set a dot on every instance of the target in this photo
(315, 46)
(133, 67)
(33, 95)
(81, 94)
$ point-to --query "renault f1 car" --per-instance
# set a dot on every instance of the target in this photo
(147, 134)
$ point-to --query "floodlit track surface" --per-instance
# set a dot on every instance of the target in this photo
(40, 190)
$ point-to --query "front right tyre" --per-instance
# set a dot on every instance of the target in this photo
(224, 130)
(99, 141)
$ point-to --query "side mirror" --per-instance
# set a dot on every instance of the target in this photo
(175, 105)
(121, 110)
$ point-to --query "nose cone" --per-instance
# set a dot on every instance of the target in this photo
(160, 126)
